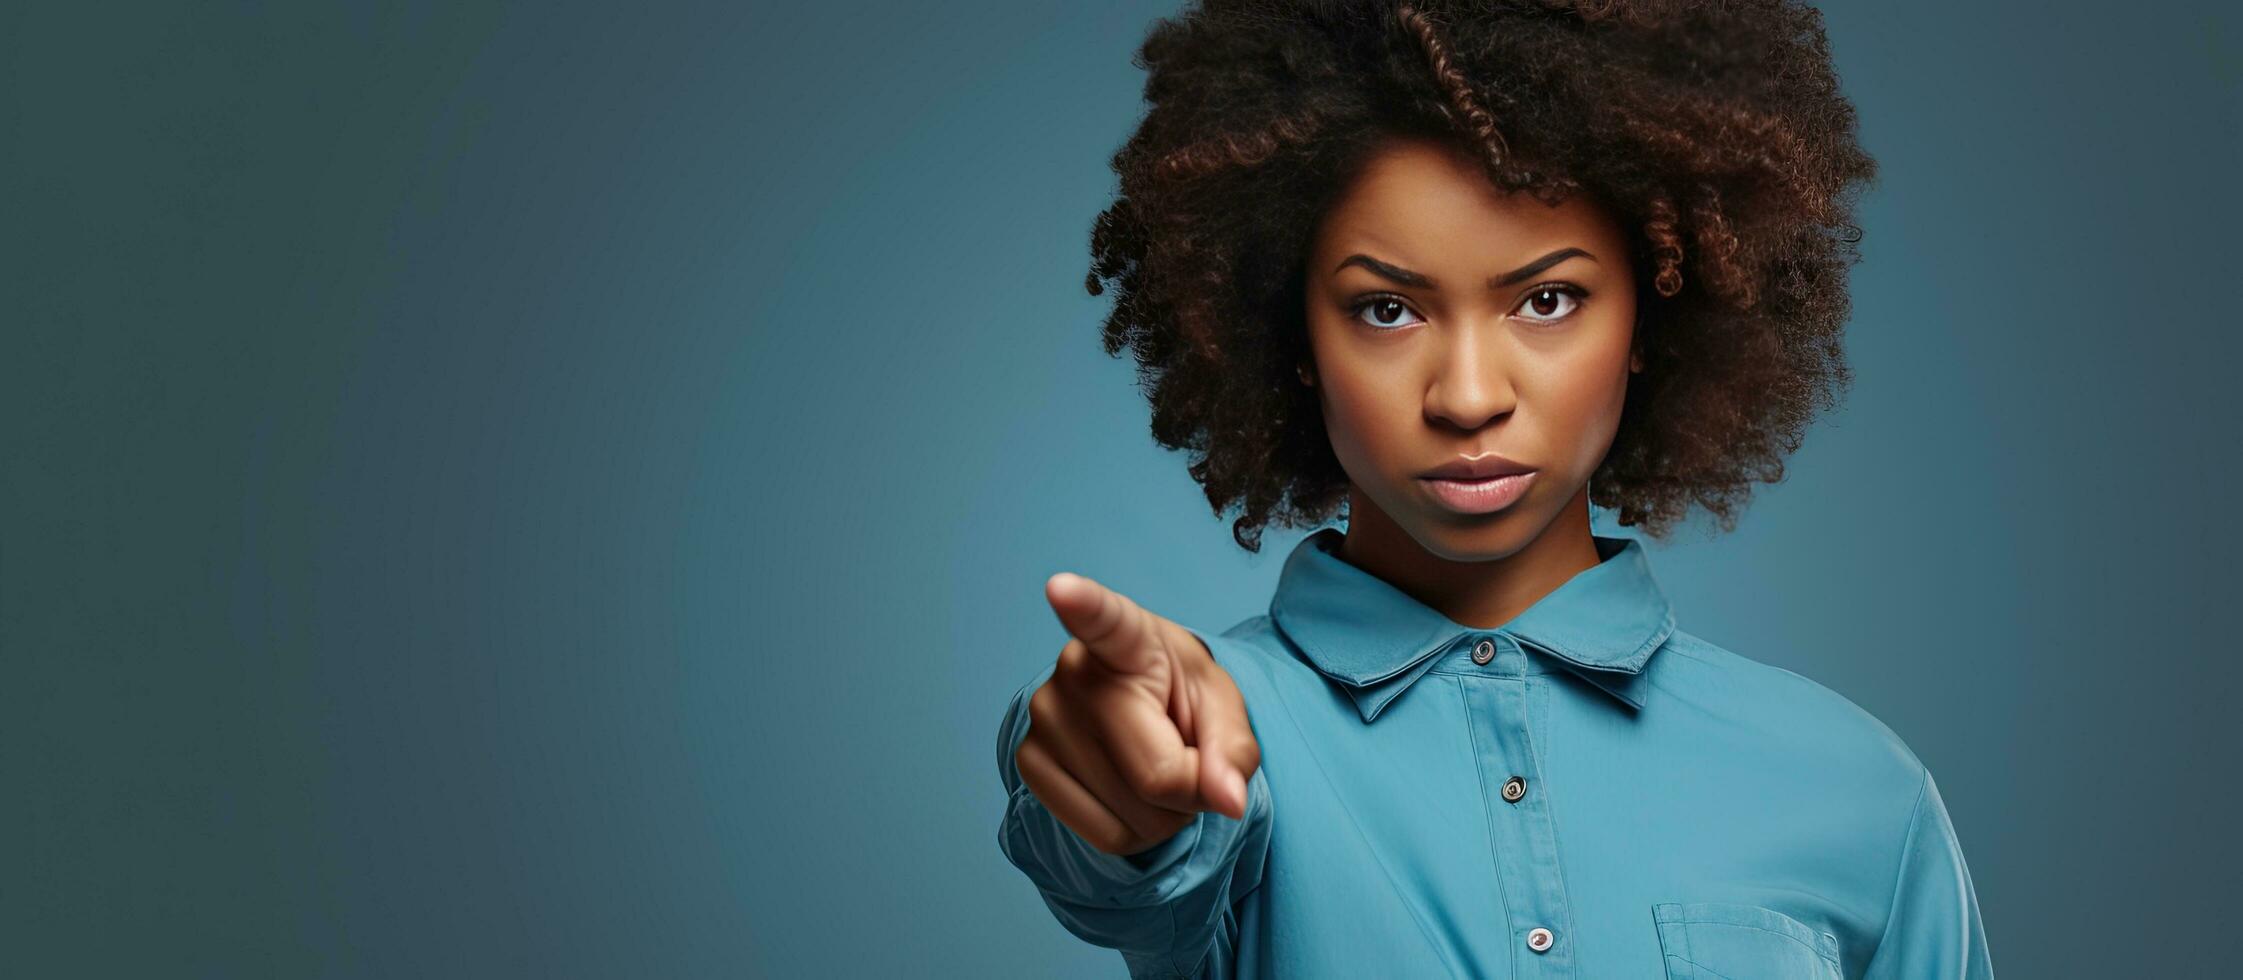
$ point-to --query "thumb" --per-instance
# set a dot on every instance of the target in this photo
(1117, 631)
(1228, 752)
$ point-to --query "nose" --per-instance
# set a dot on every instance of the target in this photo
(1471, 380)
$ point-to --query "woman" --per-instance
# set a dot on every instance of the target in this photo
(1456, 272)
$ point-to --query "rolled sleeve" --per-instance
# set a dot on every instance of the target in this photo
(1933, 929)
(1166, 908)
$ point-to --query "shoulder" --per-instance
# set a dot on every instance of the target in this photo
(1253, 651)
(1263, 664)
(1784, 713)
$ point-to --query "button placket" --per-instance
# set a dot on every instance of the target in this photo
(1524, 838)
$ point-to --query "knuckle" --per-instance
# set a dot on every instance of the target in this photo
(1073, 655)
(1219, 677)
(1115, 842)
(1190, 642)
(1091, 833)
(1043, 709)
(1126, 610)
(1165, 778)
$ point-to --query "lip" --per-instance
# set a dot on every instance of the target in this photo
(1475, 468)
(1482, 495)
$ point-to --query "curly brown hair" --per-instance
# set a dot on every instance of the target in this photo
(1715, 131)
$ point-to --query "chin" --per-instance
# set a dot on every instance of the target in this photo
(1476, 537)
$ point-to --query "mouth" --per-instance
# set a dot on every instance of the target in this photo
(1481, 495)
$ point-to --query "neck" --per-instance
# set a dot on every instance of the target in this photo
(1481, 592)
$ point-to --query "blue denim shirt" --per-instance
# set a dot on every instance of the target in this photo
(1587, 791)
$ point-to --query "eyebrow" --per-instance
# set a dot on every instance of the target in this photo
(1423, 281)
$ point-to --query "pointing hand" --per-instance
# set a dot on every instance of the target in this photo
(1138, 730)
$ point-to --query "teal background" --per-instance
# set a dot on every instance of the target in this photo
(564, 490)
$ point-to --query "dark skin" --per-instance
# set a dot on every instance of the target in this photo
(1455, 335)
(1440, 364)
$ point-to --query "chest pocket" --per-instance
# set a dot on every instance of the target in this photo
(1721, 941)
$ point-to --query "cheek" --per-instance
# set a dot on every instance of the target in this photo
(1362, 415)
(1371, 405)
(1582, 410)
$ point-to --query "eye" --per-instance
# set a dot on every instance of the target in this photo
(1548, 303)
(1382, 308)
(1551, 302)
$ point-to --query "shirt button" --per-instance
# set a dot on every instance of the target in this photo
(1513, 789)
(1539, 939)
(1484, 652)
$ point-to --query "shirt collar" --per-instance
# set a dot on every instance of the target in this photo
(1602, 624)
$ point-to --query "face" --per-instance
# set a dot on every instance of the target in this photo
(1450, 321)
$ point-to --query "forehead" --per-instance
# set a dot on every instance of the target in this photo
(1432, 202)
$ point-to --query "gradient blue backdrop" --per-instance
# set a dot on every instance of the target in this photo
(564, 490)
